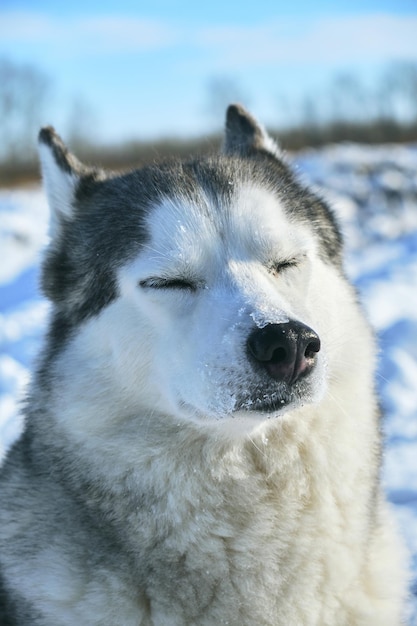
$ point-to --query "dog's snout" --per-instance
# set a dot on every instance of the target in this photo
(286, 351)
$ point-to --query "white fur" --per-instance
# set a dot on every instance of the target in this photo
(59, 186)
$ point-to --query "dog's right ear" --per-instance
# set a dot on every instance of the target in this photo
(61, 173)
(244, 134)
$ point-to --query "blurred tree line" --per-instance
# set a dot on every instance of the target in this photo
(349, 110)
(346, 110)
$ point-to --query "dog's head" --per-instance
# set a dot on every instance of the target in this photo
(200, 289)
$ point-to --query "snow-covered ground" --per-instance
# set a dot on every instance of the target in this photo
(375, 191)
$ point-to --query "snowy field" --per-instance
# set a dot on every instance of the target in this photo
(375, 192)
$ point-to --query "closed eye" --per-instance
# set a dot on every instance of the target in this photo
(278, 267)
(168, 283)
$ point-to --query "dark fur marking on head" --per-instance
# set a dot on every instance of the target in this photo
(79, 270)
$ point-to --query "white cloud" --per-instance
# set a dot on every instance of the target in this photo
(19, 27)
(323, 40)
(121, 34)
(331, 40)
(99, 34)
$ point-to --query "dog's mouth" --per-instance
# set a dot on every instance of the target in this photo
(266, 402)
(268, 406)
(285, 396)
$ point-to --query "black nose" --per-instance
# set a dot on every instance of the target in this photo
(286, 351)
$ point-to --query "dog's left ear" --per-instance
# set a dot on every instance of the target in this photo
(61, 173)
(244, 134)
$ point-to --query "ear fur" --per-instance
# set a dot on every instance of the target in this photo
(61, 173)
(244, 134)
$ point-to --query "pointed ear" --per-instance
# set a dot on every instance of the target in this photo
(61, 173)
(244, 134)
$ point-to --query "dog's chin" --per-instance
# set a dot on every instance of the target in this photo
(257, 405)
(244, 416)
(250, 412)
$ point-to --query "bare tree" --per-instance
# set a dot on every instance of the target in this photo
(350, 100)
(23, 90)
(81, 122)
(398, 92)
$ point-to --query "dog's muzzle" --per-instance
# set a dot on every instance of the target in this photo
(285, 351)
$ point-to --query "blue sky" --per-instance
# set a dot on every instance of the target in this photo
(143, 69)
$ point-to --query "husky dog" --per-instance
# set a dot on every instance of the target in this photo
(202, 438)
